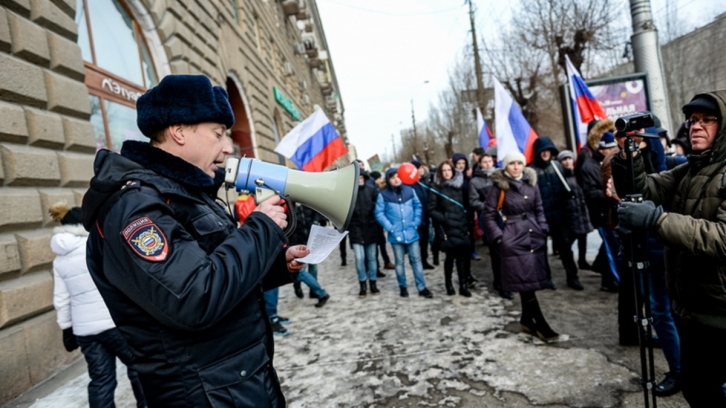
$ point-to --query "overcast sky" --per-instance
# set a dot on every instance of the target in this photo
(384, 51)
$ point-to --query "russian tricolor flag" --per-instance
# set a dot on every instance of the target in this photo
(513, 130)
(313, 144)
(485, 134)
(585, 106)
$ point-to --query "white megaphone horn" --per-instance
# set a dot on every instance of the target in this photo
(331, 193)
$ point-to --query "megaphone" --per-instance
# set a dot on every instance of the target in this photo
(332, 193)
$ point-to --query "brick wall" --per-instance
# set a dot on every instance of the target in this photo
(46, 148)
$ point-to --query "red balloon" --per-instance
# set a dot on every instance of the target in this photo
(408, 173)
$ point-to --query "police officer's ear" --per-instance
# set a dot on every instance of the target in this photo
(175, 133)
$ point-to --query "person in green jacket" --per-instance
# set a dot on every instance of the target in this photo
(687, 212)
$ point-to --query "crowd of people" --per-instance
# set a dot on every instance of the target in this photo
(154, 271)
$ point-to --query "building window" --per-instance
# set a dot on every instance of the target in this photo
(118, 66)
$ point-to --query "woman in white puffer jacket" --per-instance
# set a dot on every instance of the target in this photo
(82, 313)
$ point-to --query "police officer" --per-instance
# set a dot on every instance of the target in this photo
(183, 284)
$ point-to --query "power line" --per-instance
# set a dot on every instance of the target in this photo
(388, 13)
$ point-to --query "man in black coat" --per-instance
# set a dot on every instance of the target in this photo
(555, 193)
(363, 231)
(423, 230)
(183, 284)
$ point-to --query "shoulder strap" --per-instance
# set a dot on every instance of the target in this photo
(562, 179)
(446, 197)
(500, 202)
(111, 202)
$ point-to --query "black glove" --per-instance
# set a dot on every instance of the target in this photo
(69, 340)
(639, 215)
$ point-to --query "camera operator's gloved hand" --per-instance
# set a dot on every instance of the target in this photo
(639, 215)
(69, 340)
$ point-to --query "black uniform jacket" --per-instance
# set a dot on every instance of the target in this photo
(182, 282)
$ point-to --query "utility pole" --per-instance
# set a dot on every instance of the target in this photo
(646, 55)
(477, 61)
(413, 121)
(394, 148)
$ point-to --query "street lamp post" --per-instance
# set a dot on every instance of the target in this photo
(413, 122)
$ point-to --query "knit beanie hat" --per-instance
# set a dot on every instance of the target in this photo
(182, 99)
(513, 156)
(607, 141)
(565, 154)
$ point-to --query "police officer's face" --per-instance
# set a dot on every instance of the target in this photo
(206, 147)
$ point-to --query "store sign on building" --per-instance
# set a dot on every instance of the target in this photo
(113, 88)
(118, 89)
(286, 103)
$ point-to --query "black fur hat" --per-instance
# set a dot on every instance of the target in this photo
(182, 99)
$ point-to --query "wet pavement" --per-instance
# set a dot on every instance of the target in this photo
(449, 351)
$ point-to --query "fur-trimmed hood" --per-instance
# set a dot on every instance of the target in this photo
(594, 135)
(68, 238)
(502, 181)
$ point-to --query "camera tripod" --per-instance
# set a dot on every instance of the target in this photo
(635, 245)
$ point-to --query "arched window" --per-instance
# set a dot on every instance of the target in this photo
(119, 69)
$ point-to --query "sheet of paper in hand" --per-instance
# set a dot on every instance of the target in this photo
(321, 243)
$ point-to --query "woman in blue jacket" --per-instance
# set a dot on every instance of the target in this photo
(398, 210)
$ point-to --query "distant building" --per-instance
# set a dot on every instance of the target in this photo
(70, 74)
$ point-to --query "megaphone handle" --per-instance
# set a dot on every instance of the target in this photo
(289, 206)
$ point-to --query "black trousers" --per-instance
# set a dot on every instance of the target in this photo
(703, 363)
(381, 248)
(562, 242)
(343, 249)
(496, 265)
(461, 255)
(100, 351)
(423, 242)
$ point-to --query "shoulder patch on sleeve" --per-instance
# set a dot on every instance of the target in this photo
(146, 239)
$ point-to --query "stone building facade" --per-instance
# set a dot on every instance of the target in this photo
(70, 73)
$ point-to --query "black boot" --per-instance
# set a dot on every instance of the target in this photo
(449, 286)
(541, 328)
(374, 288)
(298, 290)
(362, 292)
(464, 290)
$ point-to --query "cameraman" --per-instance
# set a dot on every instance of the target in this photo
(182, 283)
(694, 233)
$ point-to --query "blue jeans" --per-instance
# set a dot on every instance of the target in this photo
(414, 258)
(313, 270)
(271, 302)
(365, 255)
(100, 351)
(660, 307)
(611, 245)
(663, 323)
(308, 279)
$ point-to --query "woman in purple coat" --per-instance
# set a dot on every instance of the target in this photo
(518, 226)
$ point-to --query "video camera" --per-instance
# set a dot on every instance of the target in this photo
(635, 122)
